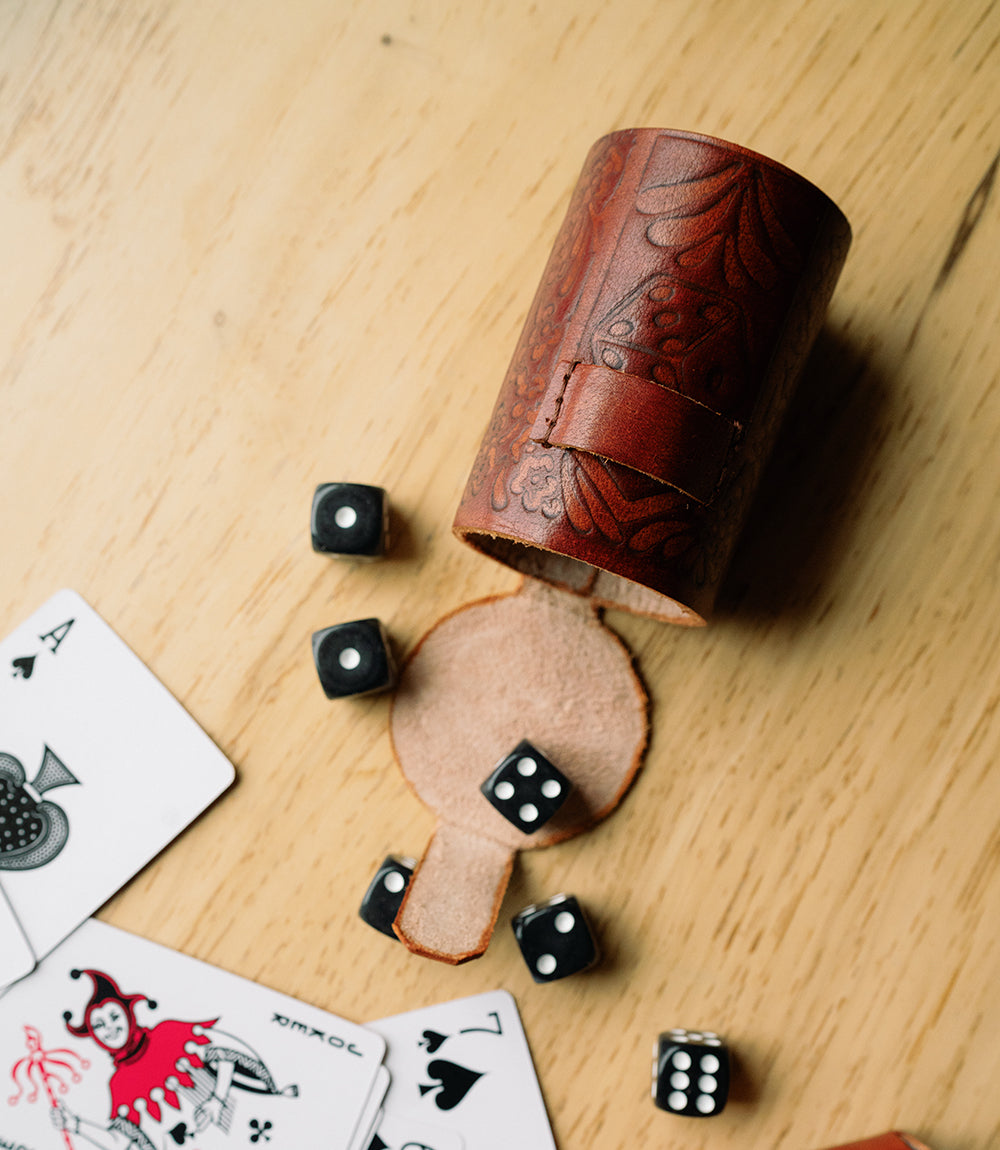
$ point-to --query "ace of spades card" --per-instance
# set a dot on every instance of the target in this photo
(100, 768)
(119, 1043)
(462, 1067)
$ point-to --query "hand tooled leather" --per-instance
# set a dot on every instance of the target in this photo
(690, 263)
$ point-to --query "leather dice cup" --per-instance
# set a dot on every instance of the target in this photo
(684, 290)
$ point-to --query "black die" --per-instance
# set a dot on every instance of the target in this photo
(353, 659)
(555, 938)
(691, 1072)
(526, 788)
(384, 897)
(349, 519)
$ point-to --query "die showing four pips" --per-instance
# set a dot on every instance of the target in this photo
(526, 788)
(690, 1068)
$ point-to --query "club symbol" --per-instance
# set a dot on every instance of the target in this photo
(260, 1131)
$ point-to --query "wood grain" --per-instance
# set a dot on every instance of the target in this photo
(253, 247)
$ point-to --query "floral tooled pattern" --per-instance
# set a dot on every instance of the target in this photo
(681, 335)
(596, 500)
(536, 481)
(521, 395)
(739, 241)
(714, 266)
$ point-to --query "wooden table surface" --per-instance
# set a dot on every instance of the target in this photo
(250, 247)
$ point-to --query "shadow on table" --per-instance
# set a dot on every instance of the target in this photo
(798, 532)
(744, 1086)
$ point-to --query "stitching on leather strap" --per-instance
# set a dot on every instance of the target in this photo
(552, 403)
(637, 423)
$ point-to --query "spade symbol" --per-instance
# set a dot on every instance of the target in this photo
(180, 1133)
(453, 1082)
(433, 1041)
(23, 666)
(32, 829)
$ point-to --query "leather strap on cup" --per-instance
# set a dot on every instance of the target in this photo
(637, 423)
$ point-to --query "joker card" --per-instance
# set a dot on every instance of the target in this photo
(121, 1044)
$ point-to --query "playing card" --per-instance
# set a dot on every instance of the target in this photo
(396, 1132)
(116, 1042)
(370, 1116)
(465, 1067)
(16, 956)
(100, 767)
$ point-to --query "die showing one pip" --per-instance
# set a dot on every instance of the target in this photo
(353, 658)
(384, 896)
(690, 1072)
(526, 788)
(349, 519)
(555, 938)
